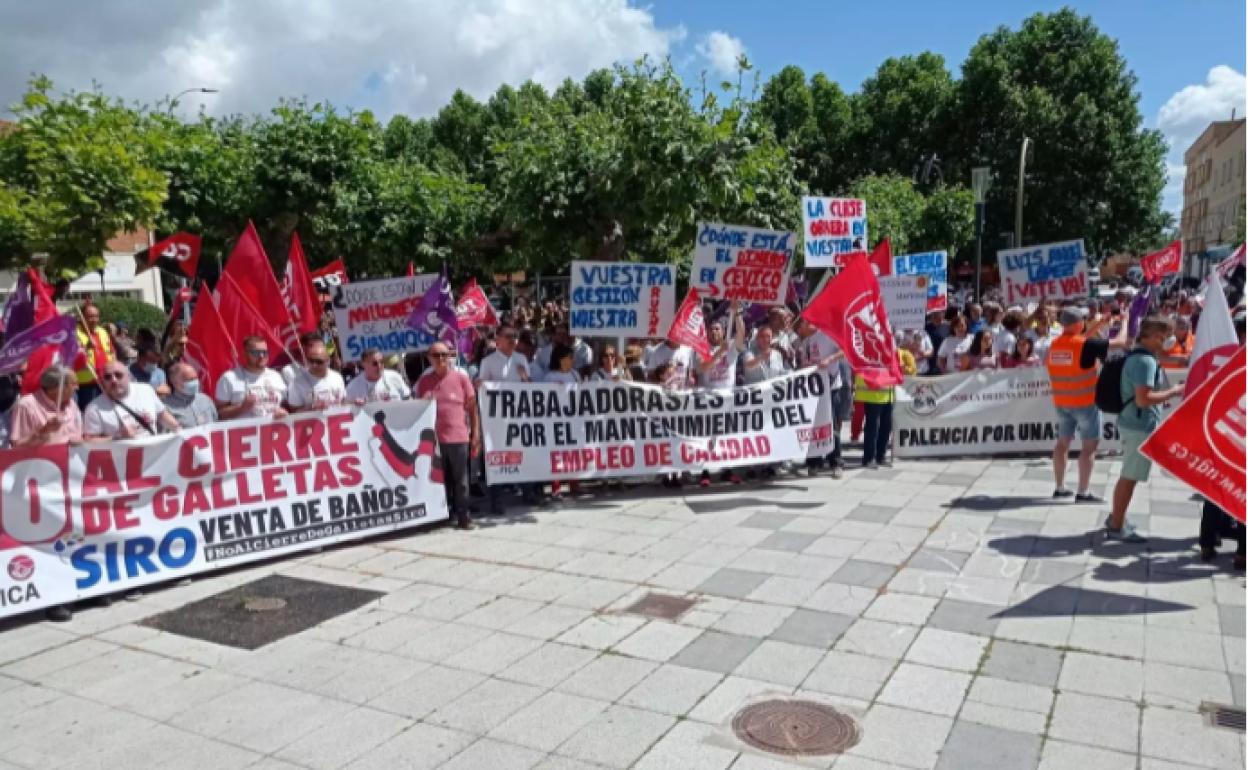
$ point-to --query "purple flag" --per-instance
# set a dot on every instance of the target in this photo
(19, 312)
(61, 331)
(435, 313)
(1139, 309)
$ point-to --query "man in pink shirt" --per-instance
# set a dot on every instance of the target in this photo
(40, 419)
(457, 406)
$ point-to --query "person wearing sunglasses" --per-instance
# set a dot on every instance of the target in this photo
(251, 389)
(318, 388)
(292, 370)
(610, 366)
(125, 409)
(452, 391)
(376, 383)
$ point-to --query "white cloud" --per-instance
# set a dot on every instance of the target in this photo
(1186, 115)
(722, 51)
(387, 55)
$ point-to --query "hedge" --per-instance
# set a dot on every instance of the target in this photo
(134, 313)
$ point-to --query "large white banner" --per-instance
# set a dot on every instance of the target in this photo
(537, 432)
(99, 518)
(986, 413)
(622, 299)
(373, 314)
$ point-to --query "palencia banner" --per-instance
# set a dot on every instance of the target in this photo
(99, 518)
(611, 429)
(986, 413)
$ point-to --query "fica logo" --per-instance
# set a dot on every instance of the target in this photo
(21, 567)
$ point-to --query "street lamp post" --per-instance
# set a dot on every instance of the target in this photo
(981, 180)
(173, 102)
(1018, 200)
(182, 281)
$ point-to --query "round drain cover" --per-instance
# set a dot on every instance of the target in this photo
(796, 728)
(264, 604)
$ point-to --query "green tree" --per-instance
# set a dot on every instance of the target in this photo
(903, 113)
(75, 170)
(942, 220)
(1096, 173)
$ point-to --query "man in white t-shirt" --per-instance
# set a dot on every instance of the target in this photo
(319, 387)
(719, 372)
(681, 358)
(814, 348)
(125, 409)
(506, 364)
(376, 382)
(253, 389)
(292, 370)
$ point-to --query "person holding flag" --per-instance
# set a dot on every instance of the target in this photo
(96, 351)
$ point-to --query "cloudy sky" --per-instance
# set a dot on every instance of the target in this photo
(410, 55)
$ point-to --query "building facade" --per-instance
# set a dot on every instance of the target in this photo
(117, 280)
(1213, 191)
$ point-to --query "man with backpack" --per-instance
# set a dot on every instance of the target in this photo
(1072, 360)
(1143, 389)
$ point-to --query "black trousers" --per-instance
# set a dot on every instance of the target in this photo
(1215, 523)
(455, 471)
(877, 429)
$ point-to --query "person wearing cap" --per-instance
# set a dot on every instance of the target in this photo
(1072, 363)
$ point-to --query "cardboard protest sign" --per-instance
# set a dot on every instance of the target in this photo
(833, 230)
(1054, 271)
(1164, 262)
(905, 300)
(688, 327)
(934, 265)
(1202, 442)
(622, 299)
(735, 262)
(373, 314)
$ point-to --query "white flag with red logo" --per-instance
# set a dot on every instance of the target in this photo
(1163, 262)
(1228, 265)
(688, 327)
(1216, 340)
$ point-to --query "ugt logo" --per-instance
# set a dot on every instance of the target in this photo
(34, 496)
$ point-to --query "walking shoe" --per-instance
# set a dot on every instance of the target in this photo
(1128, 534)
(1089, 497)
(837, 472)
(1061, 493)
(872, 466)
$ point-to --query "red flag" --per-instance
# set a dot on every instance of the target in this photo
(179, 253)
(299, 293)
(1202, 442)
(474, 308)
(688, 327)
(240, 318)
(253, 275)
(1227, 266)
(1159, 263)
(208, 346)
(1216, 340)
(881, 258)
(182, 296)
(45, 308)
(851, 311)
(333, 274)
(411, 270)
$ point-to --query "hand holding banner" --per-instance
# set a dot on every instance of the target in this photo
(851, 311)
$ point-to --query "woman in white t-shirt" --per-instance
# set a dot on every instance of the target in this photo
(610, 367)
(561, 360)
(954, 346)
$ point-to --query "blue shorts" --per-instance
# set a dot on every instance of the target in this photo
(1086, 418)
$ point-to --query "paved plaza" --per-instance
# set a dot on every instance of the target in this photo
(966, 620)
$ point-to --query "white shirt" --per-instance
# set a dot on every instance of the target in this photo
(1003, 342)
(105, 418)
(268, 387)
(817, 347)
(680, 357)
(389, 387)
(951, 351)
(723, 374)
(772, 365)
(570, 376)
(307, 390)
(291, 371)
(501, 368)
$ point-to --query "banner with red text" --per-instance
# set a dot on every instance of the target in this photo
(103, 518)
(373, 314)
(613, 429)
(834, 230)
(1055, 271)
(1202, 442)
(622, 299)
(735, 262)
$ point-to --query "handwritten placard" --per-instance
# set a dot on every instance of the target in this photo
(1035, 273)
(833, 229)
(373, 314)
(934, 265)
(749, 264)
(622, 299)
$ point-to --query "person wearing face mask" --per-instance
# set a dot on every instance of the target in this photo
(146, 370)
(187, 402)
(1144, 389)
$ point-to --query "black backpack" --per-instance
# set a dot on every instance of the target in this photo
(1109, 384)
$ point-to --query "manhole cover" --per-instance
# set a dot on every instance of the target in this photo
(661, 606)
(264, 604)
(263, 611)
(796, 728)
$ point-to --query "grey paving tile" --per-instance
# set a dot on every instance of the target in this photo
(955, 480)
(935, 560)
(978, 747)
(733, 583)
(423, 747)
(965, 617)
(790, 542)
(549, 721)
(1232, 620)
(873, 513)
(617, 737)
(1100, 722)
(863, 573)
(713, 651)
(485, 707)
(1023, 663)
(672, 690)
(1050, 572)
(813, 629)
(768, 520)
(495, 755)
(1059, 755)
(607, 678)
(901, 737)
